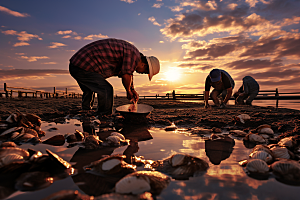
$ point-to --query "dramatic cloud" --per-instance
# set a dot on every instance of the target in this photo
(13, 13)
(56, 45)
(23, 73)
(34, 58)
(92, 37)
(22, 36)
(153, 20)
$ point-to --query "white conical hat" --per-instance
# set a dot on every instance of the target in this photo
(154, 66)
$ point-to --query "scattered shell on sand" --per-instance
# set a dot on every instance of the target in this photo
(280, 152)
(111, 165)
(251, 137)
(142, 181)
(265, 129)
(121, 136)
(288, 142)
(239, 133)
(287, 170)
(14, 150)
(243, 118)
(181, 166)
(262, 155)
(257, 166)
(201, 131)
(10, 158)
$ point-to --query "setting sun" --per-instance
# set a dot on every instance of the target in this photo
(172, 74)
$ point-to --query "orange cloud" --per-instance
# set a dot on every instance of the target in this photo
(13, 13)
(56, 45)
(92, 37)
(22, 36)
(34, 58)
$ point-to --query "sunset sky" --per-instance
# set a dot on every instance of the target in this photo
(259, 38)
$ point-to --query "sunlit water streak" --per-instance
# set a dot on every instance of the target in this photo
(226, 180)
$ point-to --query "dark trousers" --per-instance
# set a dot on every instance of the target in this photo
(91, 83)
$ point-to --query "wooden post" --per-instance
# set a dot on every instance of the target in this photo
(5, 89)
(277, 95)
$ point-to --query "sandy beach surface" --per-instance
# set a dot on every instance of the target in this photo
(182, 114)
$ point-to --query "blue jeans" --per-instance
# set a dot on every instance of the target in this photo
(91, 83)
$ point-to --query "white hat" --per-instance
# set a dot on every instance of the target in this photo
(154, 66)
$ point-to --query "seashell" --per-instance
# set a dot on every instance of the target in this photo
(257, 166)
(121, 136)
(10, 158)
(255, 138)
(31, 181)
(266, 130)
(287, 170)
(177, 159)
(172, 127)
(23, 137)
(14, 150)
(12, 130)
(260, 147)
(35, 156)
(92, 142)
(280, 152)
(8, 144)
(30, 131)
(216, 130)
(79, 135)
(142, 181)
(181, 166)
(12, 118)
(111, 165)
(113, 140)
(265, 136)
(238, 133)
(262, 155)
(243, 118)
(61, 163)
(288, 142)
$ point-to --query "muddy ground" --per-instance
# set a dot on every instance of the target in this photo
(183, 114)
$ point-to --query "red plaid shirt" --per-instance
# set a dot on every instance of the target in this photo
(108, 57)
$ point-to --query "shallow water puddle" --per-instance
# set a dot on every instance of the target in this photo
(224, 179)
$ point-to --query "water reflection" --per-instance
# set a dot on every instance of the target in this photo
(219, 149)
(224, 179)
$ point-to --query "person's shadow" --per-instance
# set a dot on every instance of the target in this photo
(219, 149)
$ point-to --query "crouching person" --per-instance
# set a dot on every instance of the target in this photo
(248, 91)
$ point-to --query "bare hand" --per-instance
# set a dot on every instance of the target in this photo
(130, 96)
(136, 96)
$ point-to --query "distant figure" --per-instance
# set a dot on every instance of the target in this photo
(248, 91)
(99, 60)
(222, 83)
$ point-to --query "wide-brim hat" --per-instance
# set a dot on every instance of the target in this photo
(154, 66)
(215, 75)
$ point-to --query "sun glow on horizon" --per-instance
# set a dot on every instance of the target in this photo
(173, 74)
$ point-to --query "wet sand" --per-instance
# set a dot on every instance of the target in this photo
(183, 114)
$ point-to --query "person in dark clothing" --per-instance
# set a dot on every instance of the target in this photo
(222, 83)
(99, 60)
(248, 91)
